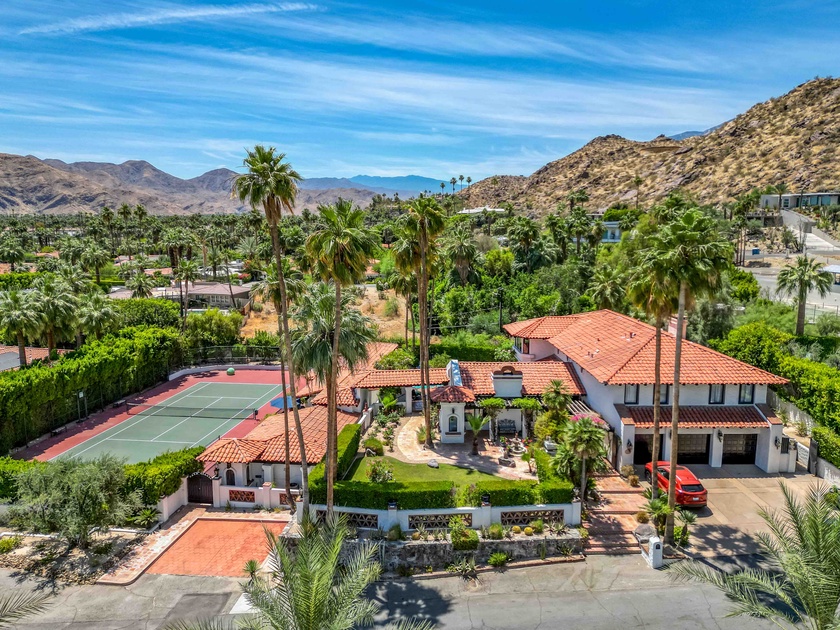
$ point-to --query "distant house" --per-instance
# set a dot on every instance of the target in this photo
(482, 210)
(612, 232)
(10, 357)
(212, 294)
(801, 200)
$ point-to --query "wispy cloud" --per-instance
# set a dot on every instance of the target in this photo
(154, 17)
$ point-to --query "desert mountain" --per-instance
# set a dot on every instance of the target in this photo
(792, 139)
(31, 185)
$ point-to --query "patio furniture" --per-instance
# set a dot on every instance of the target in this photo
(550, 446)
(506, 426)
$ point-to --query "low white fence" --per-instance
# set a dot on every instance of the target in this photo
(167, 506)
(264, 496)
(475, 517)
(793, 413)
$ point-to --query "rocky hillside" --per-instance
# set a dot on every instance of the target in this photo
(792, 139)
(29, 185)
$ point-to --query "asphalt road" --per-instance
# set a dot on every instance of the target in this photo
(619, 592)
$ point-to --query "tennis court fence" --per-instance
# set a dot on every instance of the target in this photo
(227, 355)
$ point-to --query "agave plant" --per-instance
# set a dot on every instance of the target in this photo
(804, 543)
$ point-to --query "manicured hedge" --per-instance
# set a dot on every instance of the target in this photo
(829, 444)
(157, 312)
(375, 496)
(464, 351)
(9, 469)
(518, 492)
(161, 476)
(22, 280)
(545, 470)
(35, 400)
(348, 447)
(555, 491)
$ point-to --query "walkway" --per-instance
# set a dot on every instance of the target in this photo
(146, 553)
(406, 449)
(612, 521)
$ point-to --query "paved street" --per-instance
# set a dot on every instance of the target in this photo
(599, 593)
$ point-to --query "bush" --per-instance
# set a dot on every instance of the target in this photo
(555, 491)
(440, 360)
(496, 531)
(537, 526)
(498, 559)
(161, 476)
(399, 359)
(379, 471)
(21, 280)
(633, 480)
(395, 532)
(9, 544)
(414, 495)
(829, 443)
(545, 470)
(374, 445)
(347, 445)
(501, 492)
(157, 312)
(466, 346)
(466, 540)
(9, 469)
(212, 328)
(627, 470)
(642, 517)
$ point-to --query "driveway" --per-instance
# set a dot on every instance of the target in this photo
(727, 526)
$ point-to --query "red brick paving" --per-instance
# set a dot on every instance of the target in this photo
(216, 548)
(104, 420)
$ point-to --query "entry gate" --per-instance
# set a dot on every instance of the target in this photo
(199, 488)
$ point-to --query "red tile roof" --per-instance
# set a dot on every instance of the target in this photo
(619, 350)
(346, 398)
(32, 353)
(376, 350)
(376, 379)
(541, 327)
(536, 376)
(452, 394)
(711, 417)
(266, 442)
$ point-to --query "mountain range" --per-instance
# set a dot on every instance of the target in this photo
(792, 139)
(32, 185)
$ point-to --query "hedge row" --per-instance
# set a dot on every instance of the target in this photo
(518, 492)
(829, 444)
(375, 496)
(40, 398)
(22, 280)
(463, 351)
(161, 476)
(9, 469)
(347, 446)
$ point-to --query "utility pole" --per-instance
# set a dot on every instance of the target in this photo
(500, 310)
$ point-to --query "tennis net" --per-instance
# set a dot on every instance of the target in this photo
(176, 411)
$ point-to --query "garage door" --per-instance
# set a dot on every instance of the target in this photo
(739, 449)
(693, 448)
(643, 447)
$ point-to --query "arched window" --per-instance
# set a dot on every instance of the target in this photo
(230, 477)
(453, 424)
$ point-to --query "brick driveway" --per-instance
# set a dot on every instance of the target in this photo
(216, 548)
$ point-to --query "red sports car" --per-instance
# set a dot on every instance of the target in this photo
(690, 492)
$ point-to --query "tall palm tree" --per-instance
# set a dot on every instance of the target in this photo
(797, 279)
(270, 183)
(187, 271)
(11, 251)
(461, 179)
(781, 189)
(585, 439)
(637, 184)
(579, 226)
(140, 284)
(21, 317)
(442, 188)
(94, 257)
(651, 291)
(692, 255)
(577, 198)
(425, 221)
(341, 251)
(57, 304)
(96, 313)
(460, 248)
(558, 228)
(469, 181)
(313, 586)
(803, 544)
(453, 181)
(405, 284)
(107, 216)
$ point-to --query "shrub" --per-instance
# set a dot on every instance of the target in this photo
(414, 495)
(537, 526)
(829, 444)
(496, 531)
(399, 359)
(395, 532)
(545, 470)
(633, 480)
(161, 476)
(158, 312)
(10, 544)
(498, 559)
(627, 470)
(415, 536)
(9, 469)
(392, 307)
(555, 491)
(642, 517)
(347, 444)
(528, 531)
(501, 492)
(467, 540)
(379, 471)
(374, 445)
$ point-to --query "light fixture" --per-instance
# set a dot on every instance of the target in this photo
(629, 445)
(720, 435)
(777, 442)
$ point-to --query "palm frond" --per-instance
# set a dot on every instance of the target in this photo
(19, 605)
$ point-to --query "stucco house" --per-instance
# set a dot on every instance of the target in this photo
(724, 418)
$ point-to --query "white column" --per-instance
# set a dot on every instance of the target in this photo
(716, 455)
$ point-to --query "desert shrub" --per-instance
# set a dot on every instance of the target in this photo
(537, 526)
(498, 559)
(633, 480)
(392, 307)
(379, 471)
(496, 531)
(642, 516)
(374, 445)
(627, 470)
(395, 532)
(10, 544)
(467, 540)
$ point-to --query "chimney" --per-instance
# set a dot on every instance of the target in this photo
(672, 326)
(507, 382)
(453, 372)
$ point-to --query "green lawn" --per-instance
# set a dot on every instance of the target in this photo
(420, 472)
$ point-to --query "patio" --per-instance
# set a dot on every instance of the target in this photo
(407, 449)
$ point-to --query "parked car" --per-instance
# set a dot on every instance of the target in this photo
(690, 492)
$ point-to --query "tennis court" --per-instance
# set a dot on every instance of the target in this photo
(193, 416)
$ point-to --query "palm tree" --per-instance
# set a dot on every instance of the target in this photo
(57, 304)
(314, 586)
(476, 422)
(556, 396)
(651, 291)
(425, 222)
(341, 251)
(796, 280)
(16, 606)
(21, 317)
(781, 189)
(577, 198)
(608, 288)
(11, 251)
(460, 248)
(271, 183)
(579, 226)
(442, 188)
(107, 216)
(803, 544)
(585, 439)
(637, 184)
(453, 181)
(187, 271)
(461, 179)
(140, 284)
(94, 257)
(692, 255)
(405, 284)
(96, 313)
(558, 228)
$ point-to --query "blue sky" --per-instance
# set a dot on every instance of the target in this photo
(437, 89)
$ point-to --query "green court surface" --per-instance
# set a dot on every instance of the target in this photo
(195, 416)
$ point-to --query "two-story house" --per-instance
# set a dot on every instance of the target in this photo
(724, 418)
